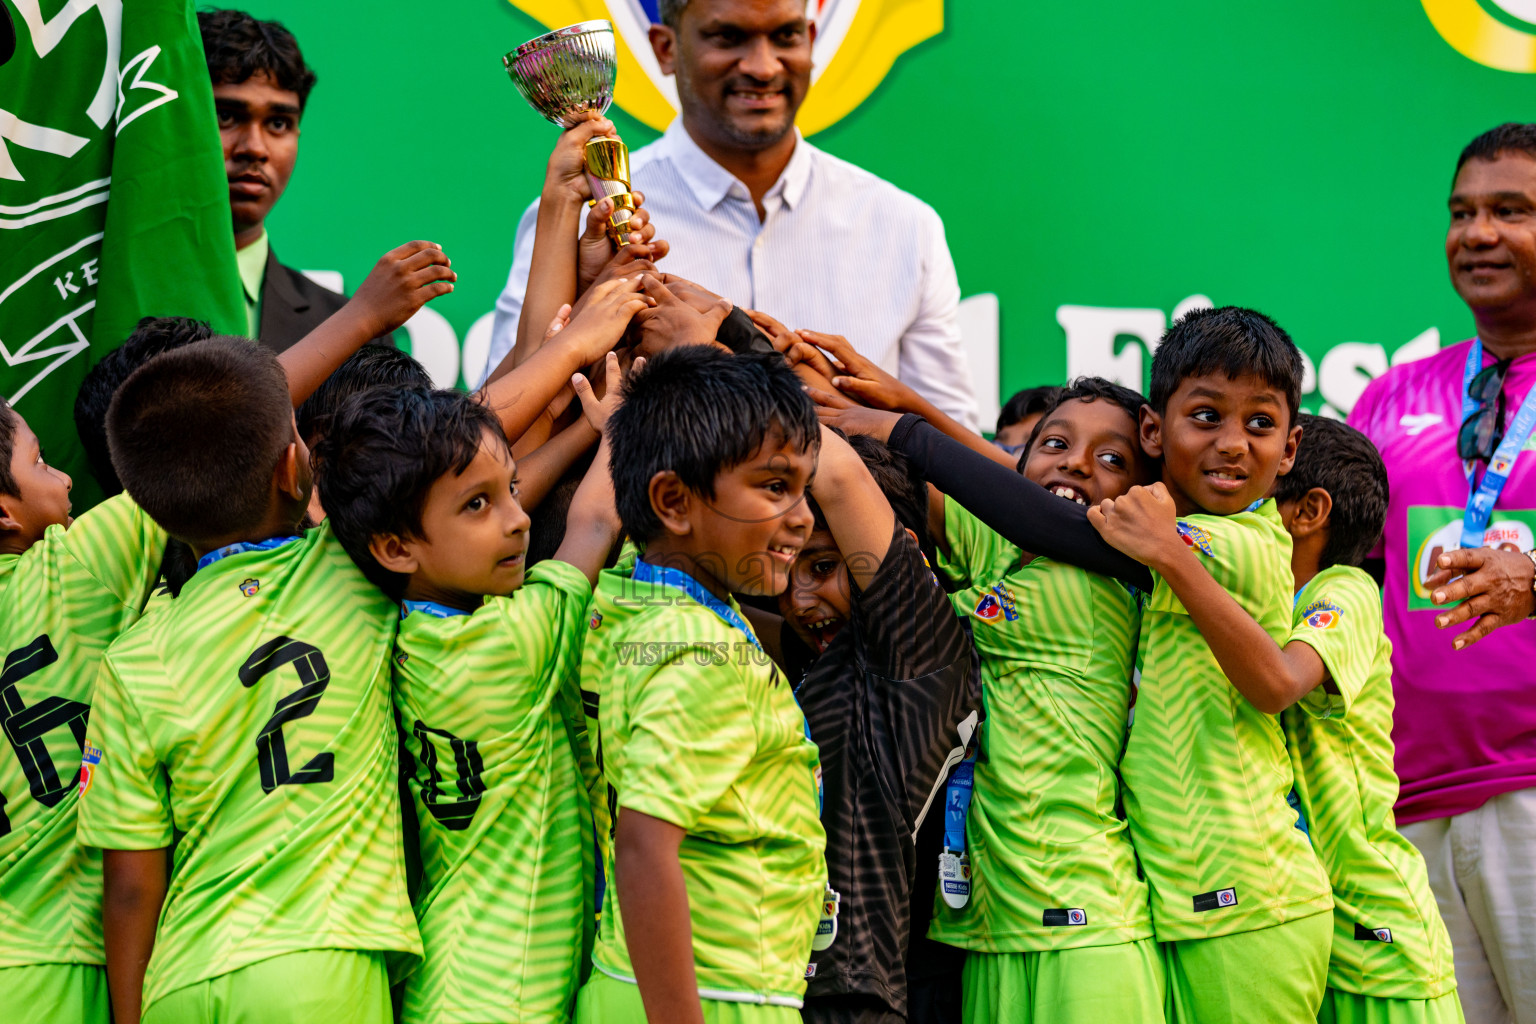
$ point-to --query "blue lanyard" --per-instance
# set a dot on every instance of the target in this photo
(645, 572)
(1480, 502)
(240, 547)
(957, 801)
(432, 608)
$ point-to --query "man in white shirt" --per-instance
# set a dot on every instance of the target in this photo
(757, 214)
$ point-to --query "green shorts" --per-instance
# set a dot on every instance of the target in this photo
(54, 994)
(337, 986)
(1275, 975)
(1087, 985)
(1352, 1008)
(605, 1000)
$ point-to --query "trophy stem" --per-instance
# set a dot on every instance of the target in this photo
(607, 165)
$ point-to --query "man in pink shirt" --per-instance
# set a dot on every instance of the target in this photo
(1451, 427)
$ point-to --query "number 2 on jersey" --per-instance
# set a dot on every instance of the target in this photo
(314, 677)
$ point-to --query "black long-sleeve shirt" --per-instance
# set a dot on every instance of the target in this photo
(1019, 509)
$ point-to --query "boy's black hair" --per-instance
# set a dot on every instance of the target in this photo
(153, 335)
(196, 432)
(699, 411)
(1088, 389)
(1342, 461)
(369, 367)
(1024, 403)
(384, 450)
(904, 488)
(238, 46)
(1229, 340)
(1510, 137)
(7, 449)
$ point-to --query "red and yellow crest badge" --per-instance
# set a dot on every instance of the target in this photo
(857, 42)
(1322, 614)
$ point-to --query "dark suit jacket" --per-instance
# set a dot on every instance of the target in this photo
(292, 305)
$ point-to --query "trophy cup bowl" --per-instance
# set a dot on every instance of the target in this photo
(565, 73)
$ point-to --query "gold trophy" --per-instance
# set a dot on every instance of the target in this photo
(562, 75)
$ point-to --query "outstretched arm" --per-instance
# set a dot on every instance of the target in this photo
(1019, 509)
(857, 513)
(859, 378)
(403, 280)
(521, 396)
(592, 523)
(135, 884)
(1143, 524)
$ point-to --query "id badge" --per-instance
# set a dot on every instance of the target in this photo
(826, 928)
(955, 878)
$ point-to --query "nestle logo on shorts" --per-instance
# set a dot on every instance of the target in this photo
(1217, 900)
(1059, 917)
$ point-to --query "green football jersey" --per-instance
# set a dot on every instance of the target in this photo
(505, 829)
(1206, 774)
(61, 603)
(699, 729)
(1052, 865)
(1388, 938)
(250, 720)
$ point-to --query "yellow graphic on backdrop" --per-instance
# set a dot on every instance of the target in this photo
(857, 43)
(1498, 33)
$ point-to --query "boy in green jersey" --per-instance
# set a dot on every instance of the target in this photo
(1056, 921)
(716, 876)
(66, 591)
(1238, 894)
(1391, 954)
(247, 721)
(422, 490)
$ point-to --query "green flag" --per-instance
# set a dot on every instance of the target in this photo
(113, 200)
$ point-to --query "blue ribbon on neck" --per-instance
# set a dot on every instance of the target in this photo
(240, 547)
(432, 608)
(1482, 498)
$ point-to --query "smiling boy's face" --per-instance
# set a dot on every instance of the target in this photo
(474, 533)
(818, 601)
(42, 498)
(1223, 442)
(745, 539)
(1087, 451)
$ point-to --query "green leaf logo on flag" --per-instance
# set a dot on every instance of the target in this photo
(113, 199)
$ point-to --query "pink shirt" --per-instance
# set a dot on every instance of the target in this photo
(1465, 723)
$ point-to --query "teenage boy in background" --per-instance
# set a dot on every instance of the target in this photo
(65, 593)
(1238, 895)
(1391, 954)
(717, 854)
(890, 688)
(1057, 925)
(422, 490)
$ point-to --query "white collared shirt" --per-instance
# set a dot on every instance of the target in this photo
(838, 250)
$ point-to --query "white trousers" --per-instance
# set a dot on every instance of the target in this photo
(1482, 867)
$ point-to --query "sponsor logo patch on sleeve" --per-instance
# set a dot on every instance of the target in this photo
(1197, 537)
(1364, 934)
(1322, 614)
(89, 759)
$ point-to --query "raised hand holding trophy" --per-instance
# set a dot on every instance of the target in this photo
(564, 74)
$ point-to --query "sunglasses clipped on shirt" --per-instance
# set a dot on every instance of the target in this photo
(1481, 432)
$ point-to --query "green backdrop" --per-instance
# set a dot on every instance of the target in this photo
(1120, 156)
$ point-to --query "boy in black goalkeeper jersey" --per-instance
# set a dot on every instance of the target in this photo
(889, 684)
